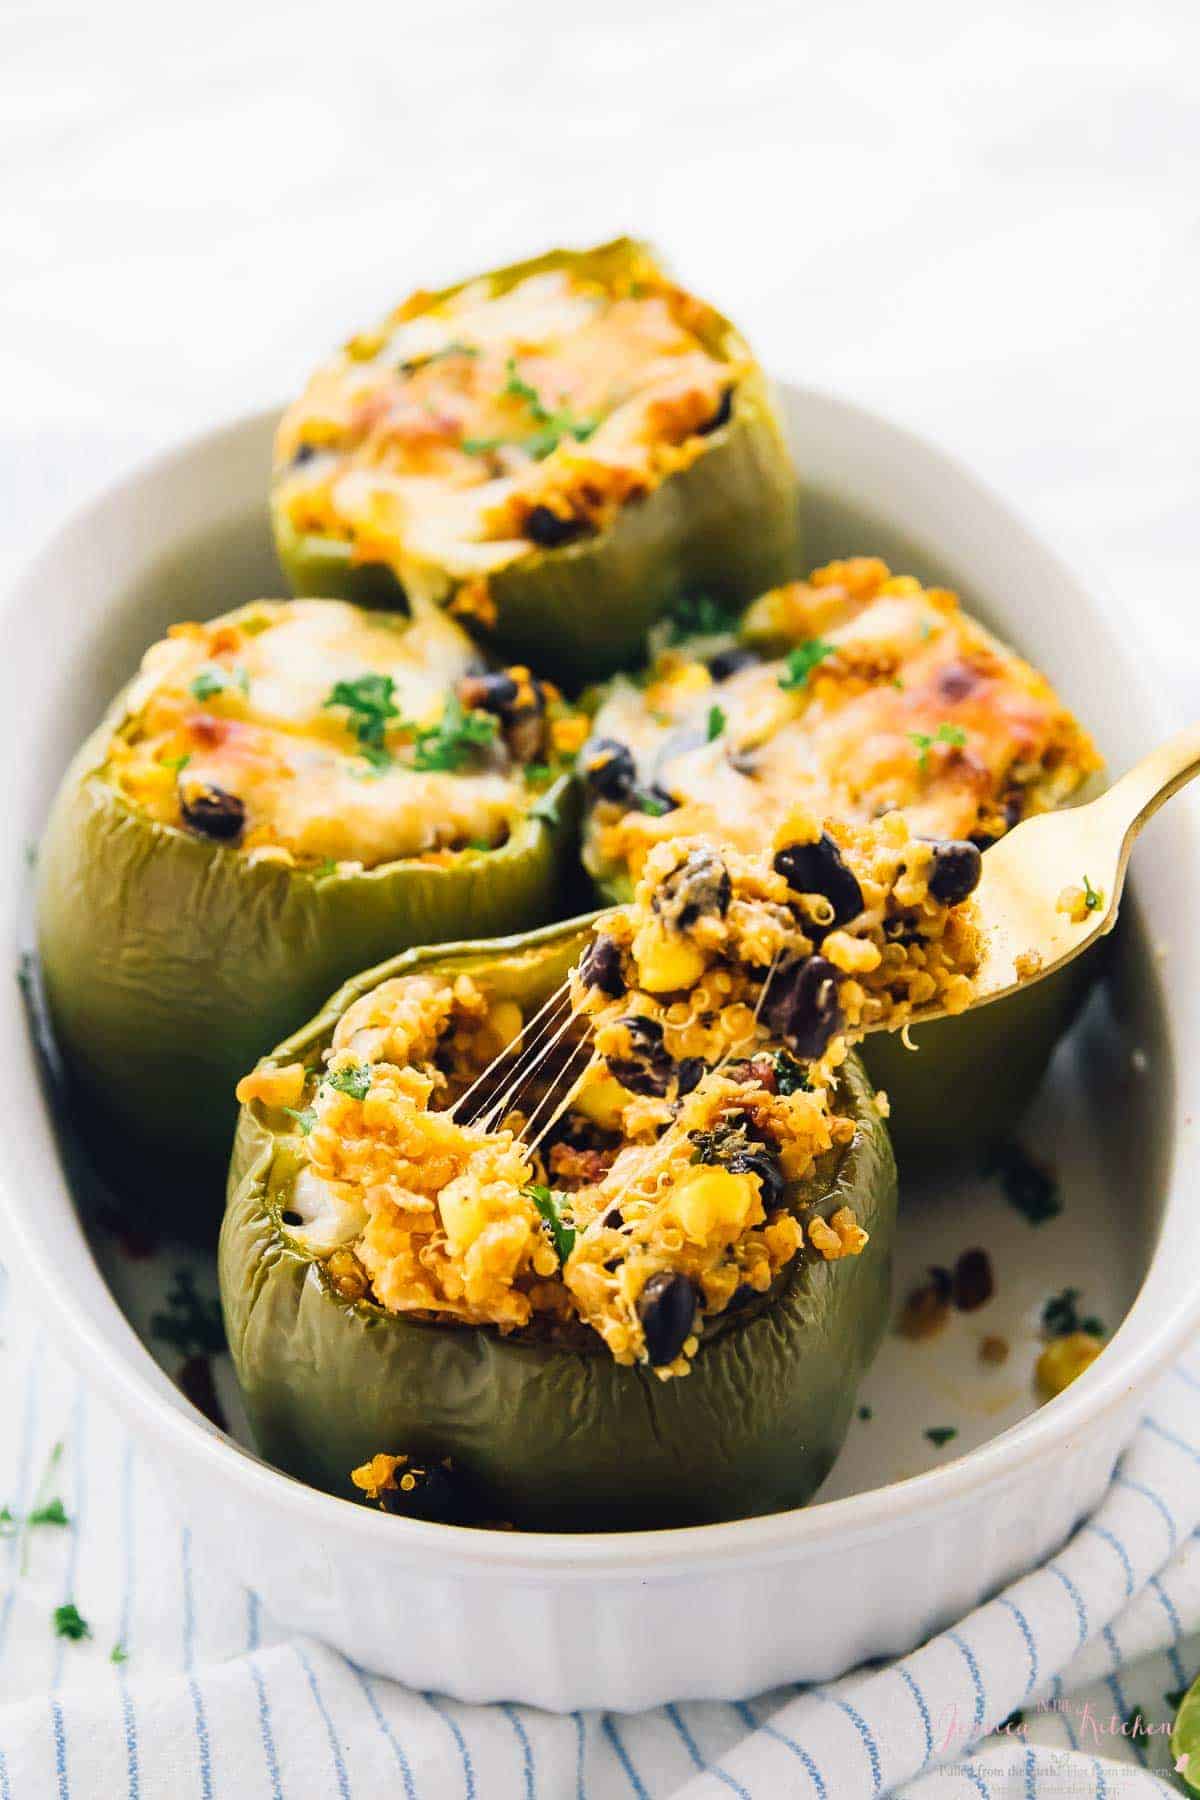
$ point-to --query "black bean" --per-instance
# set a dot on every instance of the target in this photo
(549, 529)
(600, 967)
(666, 1307)
(689, 1072)
(608, 769)
(766, 1166)
(213, 813)
(613, 1219)
(425, 1491)
(292, 1218)
(802, 1005)
(722, 415)
(974, 1282)
(494, 693)
(727, 662)
(819, 869)
(699, 886)
(957, 866)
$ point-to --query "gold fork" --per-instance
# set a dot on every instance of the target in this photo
(1028, 924)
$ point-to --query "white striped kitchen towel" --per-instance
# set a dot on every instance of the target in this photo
(184, 1688)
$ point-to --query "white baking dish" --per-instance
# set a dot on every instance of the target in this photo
(628, 1621)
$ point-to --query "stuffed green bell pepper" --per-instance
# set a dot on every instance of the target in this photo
(599, 1217)
(858, 693)
(558, 450)
(279, 795)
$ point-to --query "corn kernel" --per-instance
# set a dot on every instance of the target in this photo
(665, 963)
(1065, 1359)
(713, 1203)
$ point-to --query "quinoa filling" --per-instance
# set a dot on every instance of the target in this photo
(690, 1162)
(856, 692)
(467, 430)
(312, 733)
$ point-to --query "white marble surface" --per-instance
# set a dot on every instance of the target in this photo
(985, 221)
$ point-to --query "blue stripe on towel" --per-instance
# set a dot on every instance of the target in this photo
(1172, 1612)
(455, 1730)
(797, 1750)
(1172, 1437)
(580, 1746)
(1030, 1642)
(1156, 1500)
(514, 1718)
(635, 1781)
(364, 1682)
(1081, 1616)
(693, 1750)
(864, 1731)
(203, 1742)
(922, 1706)
(128, 1716)
(968, 1655)
(29, 1426)
(264, 1728)
(1114, 1543)
(339, 1762)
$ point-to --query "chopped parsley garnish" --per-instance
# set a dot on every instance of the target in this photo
(940, 1435)
(1028, 1187)
(52, 1513)
(8, 1523)
(865, 1413)
(70, 1623)
(803, 660)
(556, 423)
(192, 1323)
(924, 741)
(305, 1119)
(215, 679)
(791, 1077)
(118, 1653)
(1091, 899)
(177, 763)
(328, 866)
(480, 446)
(370, 701)
(549, 1204)
(537, 773)
(701, 615)
(1061, 1316)
(716, 722)
(653, 804)
(447, 744)
(354, 1080)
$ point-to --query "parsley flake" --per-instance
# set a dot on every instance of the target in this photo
(214, 678)
(716, 722)
(939, 1435)
(803, 660)
(1061, 1316)
(355, 1080)
(791, 1077)
(925, 741)
(1092, 900)
(52, 1513)
(118, 1653)
(70, 1623)
(549, 1204)
(653, 804)
(556, 423)
(701, 615)
(1029, 1189)
(8, 1523)
(446, 745)
(370, 701)
(177, 763)
(305, 1119)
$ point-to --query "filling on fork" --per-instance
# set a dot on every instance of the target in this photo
(637, 1158)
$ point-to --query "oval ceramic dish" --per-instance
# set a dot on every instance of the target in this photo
(558, 1620)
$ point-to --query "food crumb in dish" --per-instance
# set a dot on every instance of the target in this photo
(993, 1350)
(1027, 964)
(927, 1308)
(974, 1281)
(865, 1413)
(1029, 1187)
(1066, 1358)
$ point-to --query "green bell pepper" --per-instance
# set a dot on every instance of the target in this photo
(726, 523)
(172, 962)
(552, 1436)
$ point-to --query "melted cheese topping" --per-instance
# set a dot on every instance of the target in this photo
(429, 444)
(910, 706)
(240, 706)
